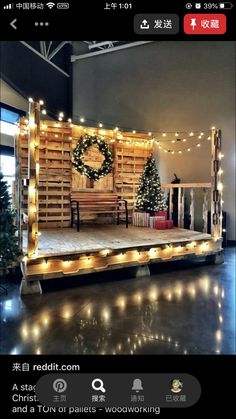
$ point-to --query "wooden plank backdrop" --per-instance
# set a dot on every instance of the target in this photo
(58, 178)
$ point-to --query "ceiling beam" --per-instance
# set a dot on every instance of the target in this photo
(107, 50)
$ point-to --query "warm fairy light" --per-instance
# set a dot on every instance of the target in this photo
(202, 133)
(184, 140)
(149, 134)
(66, 314)
(165, 151)
(191, 134)
(38, 351)
(169, 296)
(45, 320)
(153, 252)
(25, 332)
(176, 134)
(44, 112)
(204, 246)
(138, 298)
(69, 120)
(209, 137)
(164, 134)
(121, 302)
(100, 125)
(134, 132)
(192, 291)
(106, 314)
(66, 263)
(178, 249)
(213, 127)
(189, 149)
(36, 331)
(105, 252)
(199, 137)
(120, 256)
(82, 120)
(60, 119)
(198, 145)
(220, 186)
(218, 335)
(30, 99)
(172, 152)
(153, 294)
(173, 141)
(45, 264)
(56, 135)
(61, 114)
(180, 152)
(179, 291)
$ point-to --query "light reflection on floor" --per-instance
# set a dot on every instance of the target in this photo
(172, 312)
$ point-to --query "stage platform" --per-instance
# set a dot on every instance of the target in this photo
(98, 237)
(66, 252)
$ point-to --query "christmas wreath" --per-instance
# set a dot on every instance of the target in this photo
(83, 144)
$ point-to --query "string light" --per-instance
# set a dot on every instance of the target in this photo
(100, 125)
(82, 120)
(30, 99)
(41, 102)
(44, 112)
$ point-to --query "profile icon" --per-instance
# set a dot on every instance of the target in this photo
(176, 385)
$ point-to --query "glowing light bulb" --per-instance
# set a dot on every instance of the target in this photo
(180, 152)
(149, 134)
(100, 125)
(41, 102)
(82, 120)
(176, 134)
(134, 132)
(189, 149)
(69, 120)
(198, 145)
(220, 186)
(191, 134)
(164, 134)
(173, 141)
(30, 99)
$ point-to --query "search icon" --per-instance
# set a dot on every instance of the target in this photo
(100, 386)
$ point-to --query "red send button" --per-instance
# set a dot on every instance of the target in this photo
(205, 24)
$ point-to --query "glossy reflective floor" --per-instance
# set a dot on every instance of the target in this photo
(182, 308)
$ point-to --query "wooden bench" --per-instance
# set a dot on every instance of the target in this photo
(97, 203)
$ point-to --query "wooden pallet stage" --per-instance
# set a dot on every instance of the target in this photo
(64, 252)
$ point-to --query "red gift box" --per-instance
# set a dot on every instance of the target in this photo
(169, 223)
(161, 213)
(161, 225)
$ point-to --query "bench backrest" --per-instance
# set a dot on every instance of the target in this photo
(94, 197)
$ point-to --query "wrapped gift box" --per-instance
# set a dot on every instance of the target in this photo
(161, 225)
(169, 223)
(141, 219)
(164, 225)
(161, 214)
(153, 220)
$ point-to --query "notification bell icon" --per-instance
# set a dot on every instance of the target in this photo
(137, 385)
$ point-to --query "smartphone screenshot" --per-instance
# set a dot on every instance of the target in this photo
(117, 208)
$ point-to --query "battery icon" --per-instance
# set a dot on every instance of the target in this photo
(226, 6)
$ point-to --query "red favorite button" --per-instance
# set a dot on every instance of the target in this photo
(205, 24)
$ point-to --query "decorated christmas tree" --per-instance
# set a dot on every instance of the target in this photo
(9, 246)
(150, 197)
